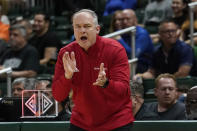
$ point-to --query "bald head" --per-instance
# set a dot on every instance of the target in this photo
(129, 18)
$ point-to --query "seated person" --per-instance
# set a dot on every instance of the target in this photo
(191, 103)
(21, 57)
(28, 26)
(143, 43)
(116, 21)
(64, 110)
(171, 56)
(46, 42)
(20, 84)
(139, 108)
(180, 11)
(167, 106)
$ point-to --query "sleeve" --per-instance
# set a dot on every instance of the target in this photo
(119, 76)
(187, 56)
(143, 42)
(125, 45)
(60, 86)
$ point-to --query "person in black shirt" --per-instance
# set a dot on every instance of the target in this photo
(21, 57)
(167, 106)
(140, 109)
(45, 41)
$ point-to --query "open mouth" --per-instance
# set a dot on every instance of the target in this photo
(83, 38)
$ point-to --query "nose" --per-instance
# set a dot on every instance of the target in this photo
(167, 91)
(82, 29)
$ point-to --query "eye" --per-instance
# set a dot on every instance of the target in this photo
(87, 26)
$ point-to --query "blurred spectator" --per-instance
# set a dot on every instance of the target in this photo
(21, 57)
(139, 108)
(172, 55)
(157, 11)
(143, 44)
(191, 103)
(20, 84)
(64, 110)
(114, 5)
(28, 26)
(182, 92)
(42, 85)
(180, 11)
(116, 21)
(167, 106)
(45, 41)
(4, 28)
(186, 27)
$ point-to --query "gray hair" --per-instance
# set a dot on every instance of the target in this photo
(20, 80)
(92, 13)
(29, 83)
(137, 88)
(19, 27)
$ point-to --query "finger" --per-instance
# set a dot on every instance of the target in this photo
(67, 56)
(64, 59)
(102, 67)
(74, 62)
(64, 56)
(73, 56)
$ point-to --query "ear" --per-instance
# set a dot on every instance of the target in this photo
(98, 28)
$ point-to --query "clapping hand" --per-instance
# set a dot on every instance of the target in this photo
(69, 63)
(100, 81)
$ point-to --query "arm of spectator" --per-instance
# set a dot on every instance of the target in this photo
(186, 62)
(146, 75)
(183, 71)
(25, 73)
(125, 45)
(142, 43)
(48, 54)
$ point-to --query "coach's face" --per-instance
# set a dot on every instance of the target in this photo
(85, 29)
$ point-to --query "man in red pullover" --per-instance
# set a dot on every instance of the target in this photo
(97, 71)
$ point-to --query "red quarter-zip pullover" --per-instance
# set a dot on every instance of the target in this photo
(96, 108)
